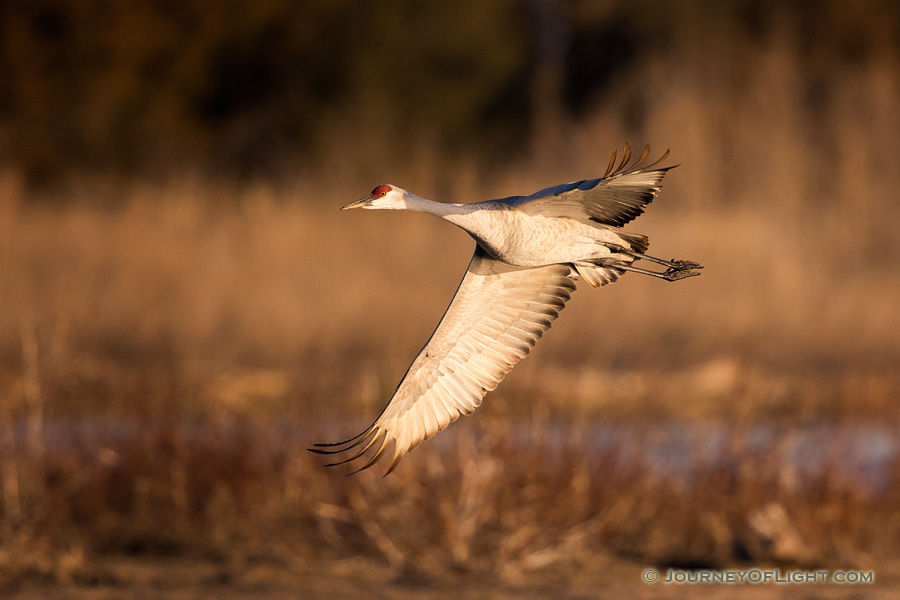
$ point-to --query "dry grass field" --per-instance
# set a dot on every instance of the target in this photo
(169, 350)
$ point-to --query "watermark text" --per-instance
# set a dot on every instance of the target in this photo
(756, 576)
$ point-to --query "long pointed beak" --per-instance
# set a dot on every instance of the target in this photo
(358, 203)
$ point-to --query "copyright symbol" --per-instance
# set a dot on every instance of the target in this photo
(650, 576)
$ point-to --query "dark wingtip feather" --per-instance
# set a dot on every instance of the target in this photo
(376, 435)
(358, 435)
(385, 444)
(626, 156)
(335, 449)
(320, 451)
(393, 466)
(659, 160)
(612, 163)
(643, 157)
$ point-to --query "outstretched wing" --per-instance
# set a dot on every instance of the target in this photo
(496, 316)
(614, 199)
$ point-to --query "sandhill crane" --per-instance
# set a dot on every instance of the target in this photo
(529, 252)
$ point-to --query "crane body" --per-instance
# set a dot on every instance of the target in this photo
(529, 252)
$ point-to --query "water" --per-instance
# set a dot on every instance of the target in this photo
(865, 455)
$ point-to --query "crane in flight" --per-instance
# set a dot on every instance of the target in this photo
(529, 251)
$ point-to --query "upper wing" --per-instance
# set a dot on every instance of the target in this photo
(496, 316)
(614, 199)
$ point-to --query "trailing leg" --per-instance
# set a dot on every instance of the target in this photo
(677, 269)
(670, 274)
(678, 265)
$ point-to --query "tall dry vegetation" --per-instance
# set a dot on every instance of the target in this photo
(165, 358)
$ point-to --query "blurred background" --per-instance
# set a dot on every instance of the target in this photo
(183, 309)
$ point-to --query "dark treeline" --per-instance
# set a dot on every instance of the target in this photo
(263, 88)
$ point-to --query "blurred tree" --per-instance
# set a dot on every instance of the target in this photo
(260, 89)
(240, 87)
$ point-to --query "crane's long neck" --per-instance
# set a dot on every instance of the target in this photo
(438, 209)
(468, 217)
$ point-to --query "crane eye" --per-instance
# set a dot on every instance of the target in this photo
(380, 191)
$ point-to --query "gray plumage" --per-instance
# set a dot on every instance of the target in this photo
(529, 252)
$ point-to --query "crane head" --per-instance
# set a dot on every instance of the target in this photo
(388, 197)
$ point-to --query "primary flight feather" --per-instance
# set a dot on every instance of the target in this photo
(529, 252)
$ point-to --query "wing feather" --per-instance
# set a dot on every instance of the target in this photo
(496, 316)
(614, 199)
